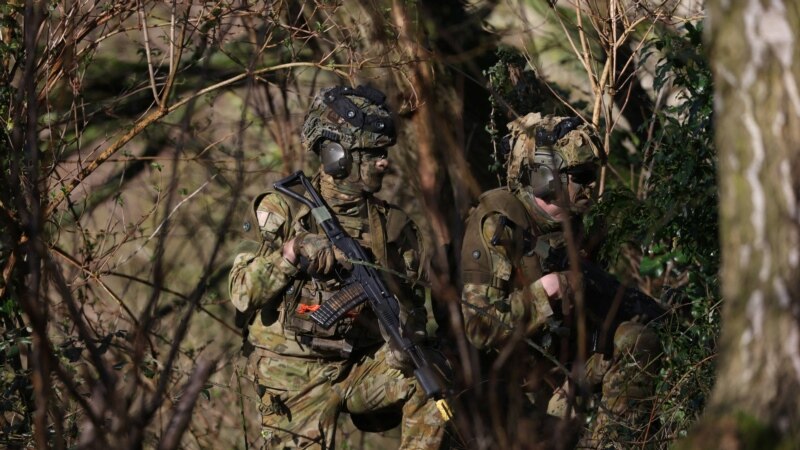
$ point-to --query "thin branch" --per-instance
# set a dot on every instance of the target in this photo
(97, 279)
(582, 56)
(174, 59)
(169, 216)
(183, 410)
(143, 23)
(154, 116)
(596, 85)
(179, 295)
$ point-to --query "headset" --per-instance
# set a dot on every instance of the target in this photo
(546, 178)
(546, 172)
(336, 160)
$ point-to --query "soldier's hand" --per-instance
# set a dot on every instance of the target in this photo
(552, 286)
(315, 254)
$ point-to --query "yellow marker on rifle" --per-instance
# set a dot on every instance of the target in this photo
(444, 409)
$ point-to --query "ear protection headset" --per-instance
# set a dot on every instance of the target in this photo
(546, 178)
(336, 160)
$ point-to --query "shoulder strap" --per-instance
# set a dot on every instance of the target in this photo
(502, 201)
(396, 221)
(297, 210)
(476, 264)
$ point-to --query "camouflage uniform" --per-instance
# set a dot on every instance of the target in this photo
(501, 269)
(308, 375)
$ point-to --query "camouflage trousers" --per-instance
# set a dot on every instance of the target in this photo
(303, 398)
(627, 380)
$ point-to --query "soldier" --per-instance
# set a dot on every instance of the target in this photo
(305, 374)
(512, 291)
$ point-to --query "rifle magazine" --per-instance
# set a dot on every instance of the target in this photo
(334, 309)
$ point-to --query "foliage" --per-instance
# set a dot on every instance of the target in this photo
(16, 391)
(515, 90)
(99, 286)
(671, 225)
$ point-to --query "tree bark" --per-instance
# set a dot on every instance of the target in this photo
(756, 64)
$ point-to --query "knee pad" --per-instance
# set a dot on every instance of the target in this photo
(637, 341)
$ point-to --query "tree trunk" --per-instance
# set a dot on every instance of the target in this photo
(756, 63)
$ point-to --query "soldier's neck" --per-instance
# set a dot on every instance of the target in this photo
(544, 221)
(346, 199)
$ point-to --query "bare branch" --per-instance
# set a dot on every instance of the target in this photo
(147, 52)
(182, 412)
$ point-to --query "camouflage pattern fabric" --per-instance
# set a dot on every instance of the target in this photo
(493, 310)
(309, 374)
(575, 148)
(321, 120)
(321, 255)
(628, 389)
(256, 279)
(302, 399)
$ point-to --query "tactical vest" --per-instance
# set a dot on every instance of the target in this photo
(476, 262)
(384, 225)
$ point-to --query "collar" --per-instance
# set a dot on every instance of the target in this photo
(544, 221)
(344, 199)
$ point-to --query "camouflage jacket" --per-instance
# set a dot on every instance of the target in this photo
(279, 297)
(501, 270)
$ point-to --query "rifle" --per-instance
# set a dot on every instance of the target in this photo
(363, 283)
(606, 297)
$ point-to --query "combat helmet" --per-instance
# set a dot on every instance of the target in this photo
(341, 119)
(543, 150)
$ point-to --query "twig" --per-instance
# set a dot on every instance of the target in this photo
(143, 23)
(142, 124)
(183, 410)
(237, 374)
(181, 296)
(58, 251)
(171, 213)
(173, 59)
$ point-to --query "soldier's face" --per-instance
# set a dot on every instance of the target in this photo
(372, 168)
(574, 197)
(580, 187)
(580, 196)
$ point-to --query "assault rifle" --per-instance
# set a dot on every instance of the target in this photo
(606, 297)
(363, 283)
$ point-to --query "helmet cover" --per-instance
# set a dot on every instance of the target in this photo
(563, 143)
(353, 117)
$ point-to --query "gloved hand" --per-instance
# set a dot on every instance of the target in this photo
(316, 255)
